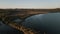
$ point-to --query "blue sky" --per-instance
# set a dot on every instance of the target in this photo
(30, 4)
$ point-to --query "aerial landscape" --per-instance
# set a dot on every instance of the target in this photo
(30, 17)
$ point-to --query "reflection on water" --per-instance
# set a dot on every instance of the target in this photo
(49, 23)
(15, 19)
(4, 29)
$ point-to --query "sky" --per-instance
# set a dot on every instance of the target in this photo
(42, 4)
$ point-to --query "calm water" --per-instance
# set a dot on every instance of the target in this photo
(5, 29)
(49, 23)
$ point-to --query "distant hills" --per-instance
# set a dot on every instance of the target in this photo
(57, 9)
(26, 12)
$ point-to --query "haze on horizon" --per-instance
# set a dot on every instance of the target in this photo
(42, 4)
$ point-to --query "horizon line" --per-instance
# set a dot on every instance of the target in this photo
(29, 8)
